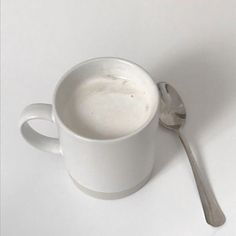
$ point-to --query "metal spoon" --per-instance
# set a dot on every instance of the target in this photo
(172, 116)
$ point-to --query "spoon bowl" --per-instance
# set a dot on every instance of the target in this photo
(172, 109)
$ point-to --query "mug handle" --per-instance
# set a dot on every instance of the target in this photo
(42, 112)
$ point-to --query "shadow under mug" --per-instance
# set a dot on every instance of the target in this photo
(102, 168)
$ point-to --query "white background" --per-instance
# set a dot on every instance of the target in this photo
(191, 44)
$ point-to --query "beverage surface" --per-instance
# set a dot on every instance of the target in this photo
(107, 107)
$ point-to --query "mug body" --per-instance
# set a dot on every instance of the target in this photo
(107, 168)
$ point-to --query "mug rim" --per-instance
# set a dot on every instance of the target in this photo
(129, 135)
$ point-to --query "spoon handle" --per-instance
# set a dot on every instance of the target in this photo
(213, 213)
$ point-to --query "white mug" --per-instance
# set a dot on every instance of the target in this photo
(102, 168)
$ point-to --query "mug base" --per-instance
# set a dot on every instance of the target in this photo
(111, 196)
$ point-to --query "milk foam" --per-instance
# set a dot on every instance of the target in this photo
(106, 107)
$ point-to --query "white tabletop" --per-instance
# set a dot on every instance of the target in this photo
(191, 44)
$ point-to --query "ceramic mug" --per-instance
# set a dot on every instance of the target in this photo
(103, 168)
